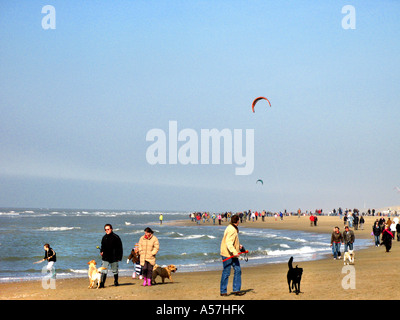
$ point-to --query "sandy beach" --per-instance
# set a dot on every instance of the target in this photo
(375, 277)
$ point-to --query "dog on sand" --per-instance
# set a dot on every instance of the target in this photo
(94, 274)
(163, 272)
(348, 257)
(294, 277)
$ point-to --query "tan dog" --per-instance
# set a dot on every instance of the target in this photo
(163, 272)
(94, 274)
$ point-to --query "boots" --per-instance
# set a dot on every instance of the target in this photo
(116, 280)
(103, 280)
(146, 282)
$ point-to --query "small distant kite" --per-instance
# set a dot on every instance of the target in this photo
(259, 180)
(258, 99)
(397, 188)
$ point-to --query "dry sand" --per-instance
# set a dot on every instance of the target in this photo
(376, 274)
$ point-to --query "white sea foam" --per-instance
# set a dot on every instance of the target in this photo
(58, 228)
(302, 250)
(194, 236)
(11, 213)
(80, 271)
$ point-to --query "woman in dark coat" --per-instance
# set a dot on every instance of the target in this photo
(377, 233)
(387, 237)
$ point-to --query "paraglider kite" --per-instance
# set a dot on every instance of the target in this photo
(259, 180)
(258, 99)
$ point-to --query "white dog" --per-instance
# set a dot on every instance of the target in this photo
(349, 257)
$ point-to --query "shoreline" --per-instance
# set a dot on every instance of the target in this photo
(322, 279)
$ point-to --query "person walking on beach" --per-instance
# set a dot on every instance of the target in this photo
(148, 248)
(111, 252)
(50, 256)
(387, 237)
(398, 231)
(336, 240)
(362, 221)
(311, 220)
(230, 246)
(376, 230)
(348, 238)
(393, 229)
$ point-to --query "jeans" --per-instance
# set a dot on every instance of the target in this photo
(348, 246)
(113, 265)
(335, 249)
(377, 242)
(237, 277)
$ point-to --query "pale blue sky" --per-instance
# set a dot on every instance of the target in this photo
(77, 102)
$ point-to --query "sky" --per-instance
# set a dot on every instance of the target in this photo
(78, 99)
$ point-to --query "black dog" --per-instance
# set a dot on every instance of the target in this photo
(294, 276)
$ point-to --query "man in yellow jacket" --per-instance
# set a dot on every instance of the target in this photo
(230, 246)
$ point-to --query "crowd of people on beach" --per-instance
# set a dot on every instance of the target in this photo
(203, 217)
(383, 230)
(143, 255)
(354, 217)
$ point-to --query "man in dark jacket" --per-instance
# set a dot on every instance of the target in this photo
(111, 251)
(336, 240)
(348, 238)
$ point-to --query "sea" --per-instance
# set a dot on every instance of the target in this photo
(76, 234)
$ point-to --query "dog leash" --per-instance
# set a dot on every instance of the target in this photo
(242, 252)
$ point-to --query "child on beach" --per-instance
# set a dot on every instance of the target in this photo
(135, 257)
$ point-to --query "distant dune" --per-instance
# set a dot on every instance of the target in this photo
(391, 208)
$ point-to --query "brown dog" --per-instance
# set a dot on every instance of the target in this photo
(94, 274)
(163, 272)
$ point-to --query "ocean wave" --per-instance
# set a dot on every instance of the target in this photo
(302, 250)
(79, 271)
(260, 233)
(11, 213)
(194, 236)
(58, 228)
